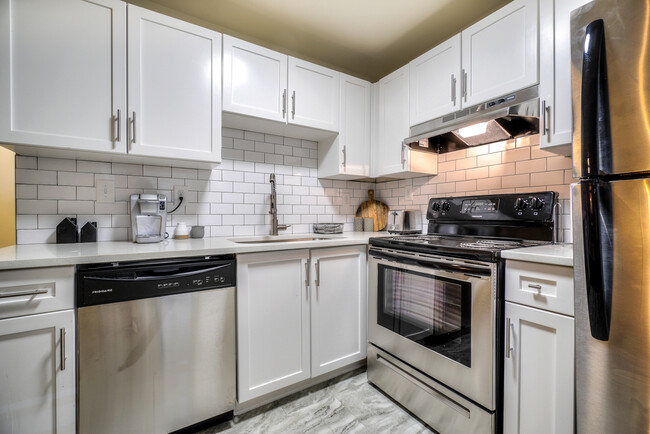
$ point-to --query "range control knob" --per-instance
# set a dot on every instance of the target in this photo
(435, 206)
(536, 203)
(520, 204)
(445, 206)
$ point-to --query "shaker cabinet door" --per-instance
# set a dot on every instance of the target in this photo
(338, 308)
(174, 88)
(392, 122)
(63, 74)
(500, 53)
(313, 98)
(556, 112)
(254, 80)
(272, 322)
(37, 373)
(434, 82)
(538, 371)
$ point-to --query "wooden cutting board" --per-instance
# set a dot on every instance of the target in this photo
(374, 209)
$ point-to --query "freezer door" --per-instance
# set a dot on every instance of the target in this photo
(610, 68)
(612, 305)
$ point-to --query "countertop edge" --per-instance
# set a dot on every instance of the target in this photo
(59, 255)
(552, 254)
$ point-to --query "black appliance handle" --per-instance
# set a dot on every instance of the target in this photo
(159, 276)
(454, 268)
(596, 146)
(596, 209)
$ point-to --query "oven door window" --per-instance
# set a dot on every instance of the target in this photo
(431, 310)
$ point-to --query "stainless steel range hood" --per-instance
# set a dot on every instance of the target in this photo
(510, 116)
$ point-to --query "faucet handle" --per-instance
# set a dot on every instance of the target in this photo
(283, 227)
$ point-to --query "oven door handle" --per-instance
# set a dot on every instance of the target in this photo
(455, 268)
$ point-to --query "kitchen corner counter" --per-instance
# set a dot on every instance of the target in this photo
(553, 254)
(52, 255)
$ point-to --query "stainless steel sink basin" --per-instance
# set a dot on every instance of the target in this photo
(282, 239)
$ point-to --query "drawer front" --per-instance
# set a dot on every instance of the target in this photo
(36, 290)
(543, 286)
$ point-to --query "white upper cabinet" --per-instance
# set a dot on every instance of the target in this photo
(314, 95)
(63, 74)
(268, 85)
(499, 52)
(254, 80)
(556, 114)
(347, 156)
(391, 124)
(174, 88)
(435, 82)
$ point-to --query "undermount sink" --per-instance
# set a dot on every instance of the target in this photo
(283, 239)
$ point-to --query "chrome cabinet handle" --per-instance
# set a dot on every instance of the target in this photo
(133, 128)
(317, 272)
(284, 103)
(19, 293)
(307, 274)
(547, 121)
(534, 286)
(293, 105)
(453, 89)
(62, 349)
(119, 125)
(465, 85)
(543, 116)
(345, 156)
(403, 157)
(508, 349)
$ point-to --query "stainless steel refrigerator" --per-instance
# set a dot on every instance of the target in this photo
(610, 61)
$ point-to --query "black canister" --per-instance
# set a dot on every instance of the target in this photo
(67, 231)
(89, 232)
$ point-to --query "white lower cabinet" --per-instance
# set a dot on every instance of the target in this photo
(539, 352)
(298, 317)
(338, 308)
(37, 373)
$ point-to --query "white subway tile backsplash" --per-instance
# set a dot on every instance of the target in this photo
(77, 207)
(93, 167)
(76, 178)
(57, 164)
(38, 177)
(57, 192)
(233, 199)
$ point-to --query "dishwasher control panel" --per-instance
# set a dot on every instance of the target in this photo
(117, 282)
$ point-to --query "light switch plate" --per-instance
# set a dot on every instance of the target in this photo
(105, 190)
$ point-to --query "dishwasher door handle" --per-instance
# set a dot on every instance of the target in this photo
(160, 277)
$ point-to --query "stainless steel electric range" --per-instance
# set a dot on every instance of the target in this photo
(436, 302)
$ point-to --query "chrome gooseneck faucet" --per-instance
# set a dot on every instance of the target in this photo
(275, 227)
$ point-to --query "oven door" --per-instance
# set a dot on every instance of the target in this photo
(439, 316)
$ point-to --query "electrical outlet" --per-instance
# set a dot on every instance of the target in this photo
(105, 190)
(178, 192)
(408, 192)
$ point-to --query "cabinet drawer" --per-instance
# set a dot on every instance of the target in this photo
(548, 287)
(36, 290)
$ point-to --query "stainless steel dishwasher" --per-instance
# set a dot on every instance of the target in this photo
(156, 344)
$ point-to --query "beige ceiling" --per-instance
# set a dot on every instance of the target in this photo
(365, 38)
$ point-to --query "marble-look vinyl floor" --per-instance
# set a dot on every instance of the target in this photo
(347, 404)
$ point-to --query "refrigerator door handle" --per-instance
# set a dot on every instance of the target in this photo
(596, 143)
(596, 209)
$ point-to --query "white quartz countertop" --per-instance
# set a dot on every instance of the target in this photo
(51, 255)
(554, 254)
